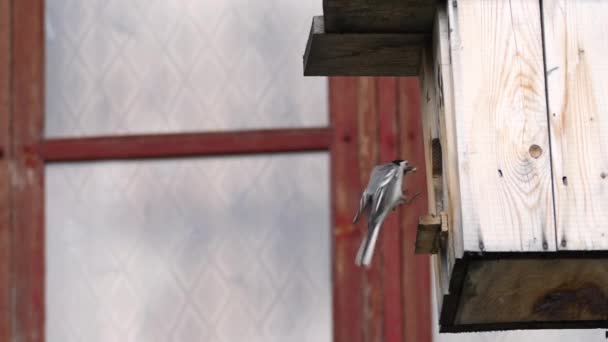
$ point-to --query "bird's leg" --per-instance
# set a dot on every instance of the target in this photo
(403, 200)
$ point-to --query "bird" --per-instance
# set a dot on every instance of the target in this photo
(382, 194)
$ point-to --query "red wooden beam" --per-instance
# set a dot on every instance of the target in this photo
(27, 247)
(391, 234)
(5, 231)
(416, 277)
(367, 119)
(347, 289)
(184, 145)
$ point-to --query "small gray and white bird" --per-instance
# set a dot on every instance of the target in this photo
(383, 194)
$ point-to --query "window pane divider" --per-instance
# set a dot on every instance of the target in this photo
(184, 144)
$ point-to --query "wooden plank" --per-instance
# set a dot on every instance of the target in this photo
(367, 120)
(5, 204)
(27, 171)
(184, 145)
(347, 277)
(534, 290)
(356, 16)
(430, 132)
(577, 71)
(502, 127)
(361, 54)
(391, 234)
(442, 69)
(427, 235)
(415, 271)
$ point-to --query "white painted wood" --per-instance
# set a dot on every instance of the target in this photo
(500, 112)
(576, 41)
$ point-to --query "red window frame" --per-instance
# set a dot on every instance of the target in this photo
(371, 120)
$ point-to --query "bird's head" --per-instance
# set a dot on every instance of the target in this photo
(405, 166)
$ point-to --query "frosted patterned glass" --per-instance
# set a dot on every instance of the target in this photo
(135, 66)
(220, 249)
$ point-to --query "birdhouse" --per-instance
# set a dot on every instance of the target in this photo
(514, 96)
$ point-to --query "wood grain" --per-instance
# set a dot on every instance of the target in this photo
(379, 16)
(440, 116)
(5, 204)
(347, 277)
(500, 114)
(27, 170)
(430, 129)
(415, 273)
(368, 134)
(427, 234)
(576, 41)
(185, 145)
(534, 290)
(390, 240)
(361, 54)
(442, 70)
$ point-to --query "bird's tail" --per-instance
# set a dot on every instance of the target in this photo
(366, 250)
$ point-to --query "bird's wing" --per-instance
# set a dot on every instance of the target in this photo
(383, 195)
(363, 205)
(381, 205)
(381, 175)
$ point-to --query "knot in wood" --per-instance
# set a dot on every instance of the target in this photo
(535, 151)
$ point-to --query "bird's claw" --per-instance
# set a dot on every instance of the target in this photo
(405, 201)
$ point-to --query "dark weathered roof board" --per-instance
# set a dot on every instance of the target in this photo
(379, 16)
(362, 54)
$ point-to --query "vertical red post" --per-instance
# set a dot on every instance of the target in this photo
(5, 108)
(367, 119)
(415, 273)
(391, 234)
(347, 289)
(27, 171)
(377, 120)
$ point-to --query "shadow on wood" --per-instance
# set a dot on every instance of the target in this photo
(500, 291)
(380, 16)
(362, 54)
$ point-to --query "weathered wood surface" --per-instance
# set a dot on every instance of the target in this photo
(427, 235)
(186, 144)
(430, 125)
(389, 300)
(27, 252)
(361, 54)
(5, 230)
(368, 149)
(347, 284)
(436, 80)
(430, 129)
(415, 273)
(502, 126)
(391, 233)
(534, 290)
(442, 68)
(390, 16)
(576, 43)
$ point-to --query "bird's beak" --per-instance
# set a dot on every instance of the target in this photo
(409, 169)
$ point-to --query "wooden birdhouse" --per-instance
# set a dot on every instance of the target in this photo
(515, 102)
